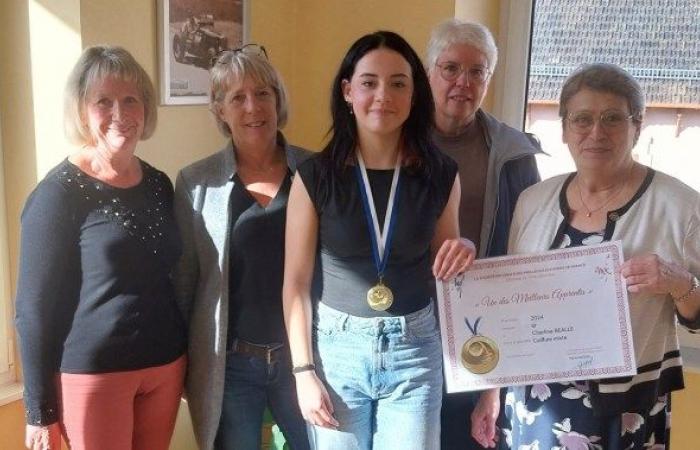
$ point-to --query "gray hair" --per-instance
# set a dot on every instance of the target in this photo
(94, 65)
(233, 66)
(454, 31)
(603, 77)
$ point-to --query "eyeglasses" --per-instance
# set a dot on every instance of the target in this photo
(582, 121)
(248, 49)
(450, 71)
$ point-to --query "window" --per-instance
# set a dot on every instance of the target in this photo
(652, 41)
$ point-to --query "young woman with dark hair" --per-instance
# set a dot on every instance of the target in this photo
(416, 131)
(371, 222)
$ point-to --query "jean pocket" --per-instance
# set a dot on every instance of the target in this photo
(423, 327)
(321, 329)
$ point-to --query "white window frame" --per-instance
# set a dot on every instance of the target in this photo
(510, 80)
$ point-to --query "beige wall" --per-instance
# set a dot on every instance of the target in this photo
(684, 418)
(325, 29)
(36, 32)
(486, 12)
(16, 112)
(13, 21)
(305, 39)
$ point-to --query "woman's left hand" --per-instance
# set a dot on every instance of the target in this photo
(43, 437)
(453, 257)
(483, 418)
(651, 274)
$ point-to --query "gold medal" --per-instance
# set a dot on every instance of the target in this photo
(480, 355)
(380, 297)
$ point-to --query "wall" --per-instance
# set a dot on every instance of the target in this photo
(684, 418)
(19, 159)
(326, 29)
(291, 31)
(34, 65)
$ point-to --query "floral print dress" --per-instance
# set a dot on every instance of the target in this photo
(559, 416)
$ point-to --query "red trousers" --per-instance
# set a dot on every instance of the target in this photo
(131, 410)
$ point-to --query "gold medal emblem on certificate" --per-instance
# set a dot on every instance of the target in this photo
(480, 355)
(380, 297)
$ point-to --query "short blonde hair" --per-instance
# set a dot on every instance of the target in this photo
(233, 66)
(454, 31)
(94, 65)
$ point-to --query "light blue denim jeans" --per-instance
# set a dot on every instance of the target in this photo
(384, 377)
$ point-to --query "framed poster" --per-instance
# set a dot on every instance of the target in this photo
(191, 33)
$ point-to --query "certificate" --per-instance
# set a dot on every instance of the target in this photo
(554, 316)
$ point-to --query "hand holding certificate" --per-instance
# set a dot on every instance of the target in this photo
(555, 316)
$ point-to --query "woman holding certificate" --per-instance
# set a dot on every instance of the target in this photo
(365, 219)
(657, 218)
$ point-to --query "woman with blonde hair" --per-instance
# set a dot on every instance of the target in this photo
(231, 208)
(101, 337)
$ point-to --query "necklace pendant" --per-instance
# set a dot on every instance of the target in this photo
(588, 215)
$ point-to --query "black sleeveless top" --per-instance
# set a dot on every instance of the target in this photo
(345, 269)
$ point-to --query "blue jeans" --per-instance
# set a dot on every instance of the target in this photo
(250, 385)
(384, 377)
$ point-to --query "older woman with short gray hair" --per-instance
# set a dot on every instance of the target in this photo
(453, 32)
(231, 208)
(496, 162)
(610, 197)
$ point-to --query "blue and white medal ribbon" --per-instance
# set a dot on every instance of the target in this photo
(473, 328)
(379, 296)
